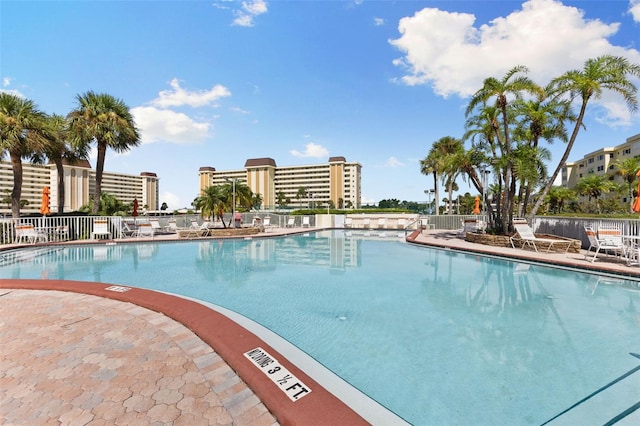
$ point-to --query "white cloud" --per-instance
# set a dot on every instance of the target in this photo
(179, 96)
(634, 10)
(239, 110)
(168, 126)
(378, 22)
(446, 50)
(311, 150)
(173, 201)
(6, 81)
(249, 10)
(393, 162)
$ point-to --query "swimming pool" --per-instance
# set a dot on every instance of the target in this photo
(436, 336)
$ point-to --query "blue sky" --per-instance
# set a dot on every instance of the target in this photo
(214, 83)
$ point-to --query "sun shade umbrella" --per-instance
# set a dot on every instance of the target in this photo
(44, 206)
(636, 203)
(476, 205)
(135, 207)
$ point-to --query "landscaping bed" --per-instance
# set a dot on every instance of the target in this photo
(504, 241)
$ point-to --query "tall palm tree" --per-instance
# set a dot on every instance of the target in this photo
(431, 165)
(512, 85)
(557, 197)
(22, 128)
(628, 169)
(106, 121)
(603, 73)
(58, 150)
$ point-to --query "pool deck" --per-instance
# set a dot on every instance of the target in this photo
(88, 353)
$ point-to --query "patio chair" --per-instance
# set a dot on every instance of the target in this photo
(145, 230)
(172, 226)
(100, 228)
(291, 222)
(606, 240)
(382, 223)
(155, 224)
(348, 222)
(366, 223)
(306, 222)
(28, 233)
(125, 230)
(526, 237)
(266, 223)
(402, 223)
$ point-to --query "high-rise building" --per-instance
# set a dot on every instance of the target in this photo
(79, 186)
(337, 180)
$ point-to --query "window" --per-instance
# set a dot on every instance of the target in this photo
(591, 160)
(600, 168)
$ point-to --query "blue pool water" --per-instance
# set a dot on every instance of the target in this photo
(436, 336)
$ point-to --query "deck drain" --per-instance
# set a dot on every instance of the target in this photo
(118, 289)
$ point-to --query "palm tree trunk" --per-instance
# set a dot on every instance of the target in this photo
(102, 150)
(60, 184)
(16, 193)
(563, 160)
(436, 194)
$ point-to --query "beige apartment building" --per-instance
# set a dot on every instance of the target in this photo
(601, 162)
(79, 182)
(337, 180)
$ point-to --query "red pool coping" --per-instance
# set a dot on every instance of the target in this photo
(230, 341)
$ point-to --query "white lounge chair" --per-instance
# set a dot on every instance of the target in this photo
(125, 230)
(306, 222)
(172, 226)
(607, 240)
(402, 223)
(100, 228)
(145, 230)
(28, 233)
(155, 224)
(348, 222)
(526, 237)
(382, 223)
(366, 223)
(291, 222)
(266, 223)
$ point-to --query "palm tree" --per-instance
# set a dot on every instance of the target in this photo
(302, 193)
(628, 169)
(212, 202)
(593, 186)
(106, 121)
(557, 197)
(511, 85)
(430, 165)
(58, 150)
(603, 73)
(22, 128)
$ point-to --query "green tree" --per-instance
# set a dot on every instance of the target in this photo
(281, 199)
(611, 73)
(212, 202)
(22, 128)
(628, 169)
(58, 150)
(512, 85)
(558, 196)
(106, 121)
(302, 193)
(593, 186)
(164, 207)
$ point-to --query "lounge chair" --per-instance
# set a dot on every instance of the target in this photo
(100, 228)
(306, 222)
(145, 230)
(291, 222)
(28, 233)
(195, 230)
(173, 226)
(155, 224)
(348, 222)
(526, 237)
(402, 223)
(266, 223)
(382, 223)
(607, 240)
(125, 230)
(366, 223)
